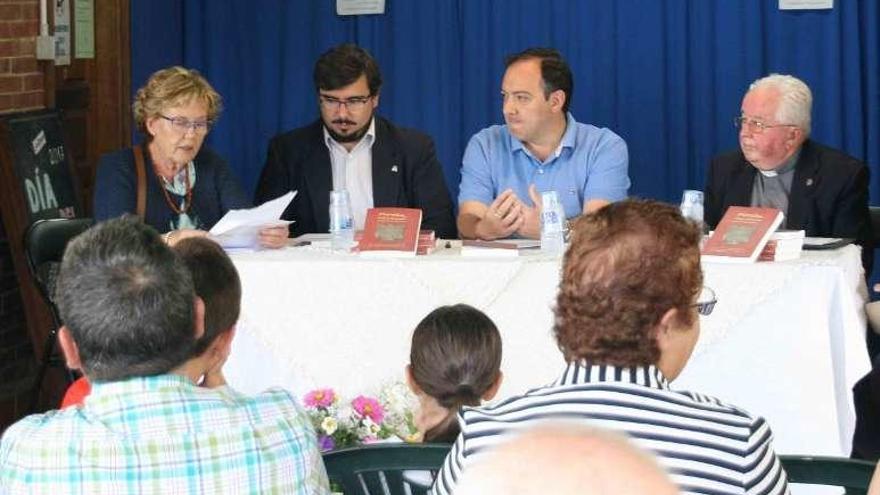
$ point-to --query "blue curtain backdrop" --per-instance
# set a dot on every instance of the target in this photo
(667, 76)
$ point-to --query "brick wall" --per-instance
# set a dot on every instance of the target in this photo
(21, 81)
(21, 88)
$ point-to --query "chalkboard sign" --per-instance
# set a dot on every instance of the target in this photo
(34, 143)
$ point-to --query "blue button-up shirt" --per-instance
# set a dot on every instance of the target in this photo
(590, 163)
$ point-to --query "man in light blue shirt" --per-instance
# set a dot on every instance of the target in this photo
(541, 148)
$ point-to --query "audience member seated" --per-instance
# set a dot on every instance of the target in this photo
(540, 148)
(216, 282)
(626, 324)
(350, 148)
(132, 325)
(187, 187)
(820, 189)
(596, 462)
(455, 361)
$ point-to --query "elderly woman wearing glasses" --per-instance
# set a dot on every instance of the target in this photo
(627, 319)
(171, 181)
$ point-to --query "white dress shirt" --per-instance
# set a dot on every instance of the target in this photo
(353, 171)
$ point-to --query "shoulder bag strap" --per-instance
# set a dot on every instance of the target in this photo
(141, 181)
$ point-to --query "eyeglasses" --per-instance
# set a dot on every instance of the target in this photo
(353, 104)
(183, 124)
(706, 302)
(757, 126)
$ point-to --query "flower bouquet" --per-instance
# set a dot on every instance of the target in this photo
(361, 421)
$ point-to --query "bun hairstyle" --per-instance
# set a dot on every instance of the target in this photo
(455, 357)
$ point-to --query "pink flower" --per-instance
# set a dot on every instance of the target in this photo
(368, 408)
(370, 439)
(322, 397)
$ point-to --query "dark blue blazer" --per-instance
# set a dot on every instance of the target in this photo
(406, 173)
(216, 190)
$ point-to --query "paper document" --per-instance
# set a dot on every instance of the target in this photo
(240, 228)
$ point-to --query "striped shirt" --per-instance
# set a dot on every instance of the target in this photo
(162, 434)
(706, 446)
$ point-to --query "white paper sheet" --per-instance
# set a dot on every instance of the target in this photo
(240, 228)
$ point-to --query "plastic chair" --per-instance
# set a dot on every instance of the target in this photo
(44, 243)
(380, 468)
(852, 474)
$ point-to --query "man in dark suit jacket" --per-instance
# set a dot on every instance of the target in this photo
(351, 148)
(820, 190)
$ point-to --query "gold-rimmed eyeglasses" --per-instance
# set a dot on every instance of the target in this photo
(756, 125)
(183, 124)
(706, 302)
(353, 104)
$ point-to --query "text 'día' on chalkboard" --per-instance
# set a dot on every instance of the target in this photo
(35, 161)
(36, 182)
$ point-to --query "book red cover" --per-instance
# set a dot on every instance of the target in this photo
(741, 234)
(427, 241)
(391, 231)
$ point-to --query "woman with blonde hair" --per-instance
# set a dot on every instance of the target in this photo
(173, 182)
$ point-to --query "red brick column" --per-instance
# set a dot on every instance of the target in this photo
(21, 88)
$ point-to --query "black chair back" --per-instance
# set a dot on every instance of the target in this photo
(44, 244)
(852, 474)
(385, 469)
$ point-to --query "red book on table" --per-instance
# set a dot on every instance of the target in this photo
(741, 234)
(391, 232)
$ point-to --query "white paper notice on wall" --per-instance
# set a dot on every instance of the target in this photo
(805, 4)
(360, 7)
(62, 32)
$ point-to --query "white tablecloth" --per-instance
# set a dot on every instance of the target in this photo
(786, 340)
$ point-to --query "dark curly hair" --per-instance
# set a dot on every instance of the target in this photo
(628, 264)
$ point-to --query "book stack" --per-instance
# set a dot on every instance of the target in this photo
(498, 248)
(427, 242)
(783, 245)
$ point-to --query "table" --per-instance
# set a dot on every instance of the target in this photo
(786, 340)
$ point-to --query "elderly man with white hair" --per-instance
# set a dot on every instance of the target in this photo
(819, 189)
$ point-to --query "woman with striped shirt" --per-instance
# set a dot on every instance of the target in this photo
(627, 322)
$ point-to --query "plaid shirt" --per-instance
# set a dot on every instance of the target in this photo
(163, 434)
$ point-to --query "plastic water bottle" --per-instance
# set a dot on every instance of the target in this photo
(692, 206)
(341, 221)
(552, 220)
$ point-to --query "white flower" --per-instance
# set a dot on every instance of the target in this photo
(374, 428)
(329, 425)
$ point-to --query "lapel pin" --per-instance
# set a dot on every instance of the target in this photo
(394, 168)
(809, 182)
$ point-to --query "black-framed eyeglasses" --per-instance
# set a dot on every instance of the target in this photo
(353, 104)
(756, 125)
(183, 124)
(706, 302)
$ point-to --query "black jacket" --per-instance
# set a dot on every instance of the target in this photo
(829, 194)
(406, 173)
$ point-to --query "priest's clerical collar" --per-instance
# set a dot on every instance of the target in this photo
(786, 166)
